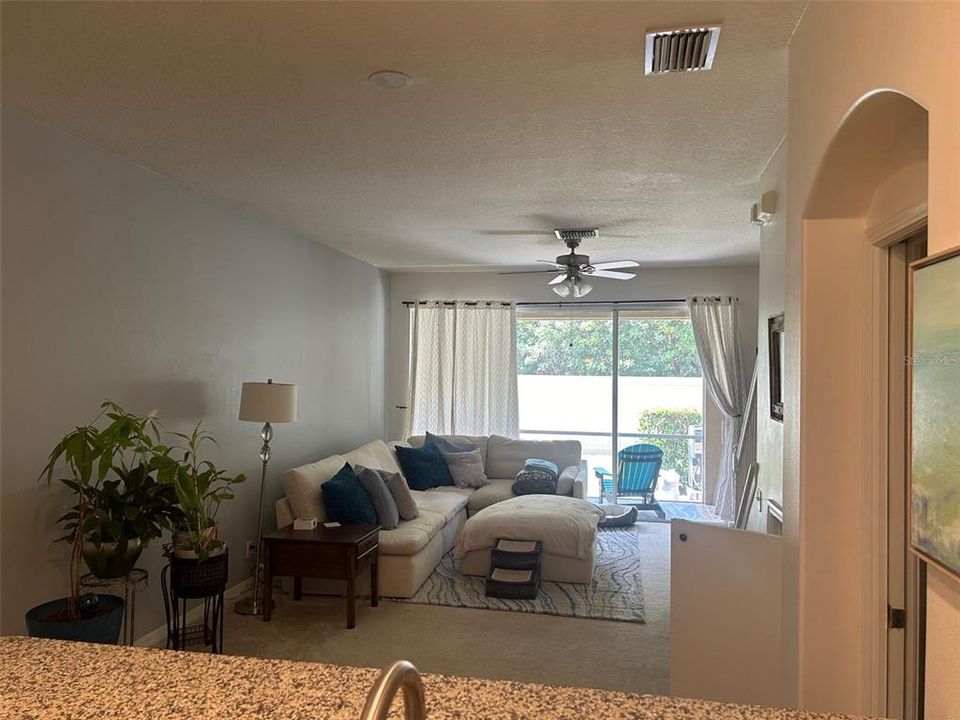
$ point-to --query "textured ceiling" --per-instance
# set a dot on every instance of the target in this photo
(522, 117)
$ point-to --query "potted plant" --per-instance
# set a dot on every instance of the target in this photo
(200, 489)
(120, 505)
(113, 471)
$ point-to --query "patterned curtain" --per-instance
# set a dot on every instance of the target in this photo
(714, 323)
(463, 369)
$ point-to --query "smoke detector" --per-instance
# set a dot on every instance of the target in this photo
(681, 50)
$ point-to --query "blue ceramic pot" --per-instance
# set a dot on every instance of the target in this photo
(102, 626)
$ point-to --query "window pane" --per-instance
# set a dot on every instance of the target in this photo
(660, 398)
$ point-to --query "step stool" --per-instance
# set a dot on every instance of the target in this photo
(514, 569)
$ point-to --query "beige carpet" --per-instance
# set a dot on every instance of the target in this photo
(548, 649)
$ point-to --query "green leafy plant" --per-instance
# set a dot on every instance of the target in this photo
(671, 421)
(200, 489)
(111, 470)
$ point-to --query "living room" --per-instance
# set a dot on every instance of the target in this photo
(200, 196)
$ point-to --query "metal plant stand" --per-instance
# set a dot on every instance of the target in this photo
(185, 580)
(134, 580)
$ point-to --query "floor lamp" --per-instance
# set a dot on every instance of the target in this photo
(268, 403)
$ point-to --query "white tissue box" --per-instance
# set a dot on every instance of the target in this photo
(304, 523)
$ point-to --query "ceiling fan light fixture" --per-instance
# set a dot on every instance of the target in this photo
(581, 288)
(563, 288)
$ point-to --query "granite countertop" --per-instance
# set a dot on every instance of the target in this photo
(64, 680)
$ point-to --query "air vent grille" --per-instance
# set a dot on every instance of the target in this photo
(683, 50)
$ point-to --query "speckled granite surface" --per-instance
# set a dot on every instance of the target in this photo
(53, 679)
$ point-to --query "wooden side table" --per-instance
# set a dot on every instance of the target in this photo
(330, 553)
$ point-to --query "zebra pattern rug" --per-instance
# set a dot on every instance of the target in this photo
(616, 592)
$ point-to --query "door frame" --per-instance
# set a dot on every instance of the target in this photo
(880, 238)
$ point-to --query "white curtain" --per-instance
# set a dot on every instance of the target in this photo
(463, 369)
(714, 323)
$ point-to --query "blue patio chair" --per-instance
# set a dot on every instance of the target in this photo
(639, 470)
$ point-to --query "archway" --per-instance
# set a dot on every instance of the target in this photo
(870, 193)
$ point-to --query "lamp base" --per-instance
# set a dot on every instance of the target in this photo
(249, 606)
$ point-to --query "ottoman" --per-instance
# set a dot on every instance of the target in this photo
(566, 527)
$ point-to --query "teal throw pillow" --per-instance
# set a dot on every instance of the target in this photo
(424, 467)
(346, 501)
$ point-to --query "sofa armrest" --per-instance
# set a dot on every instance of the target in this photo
(580, 484)
(284, 513)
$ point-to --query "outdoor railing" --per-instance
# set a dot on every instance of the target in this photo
(597, 450)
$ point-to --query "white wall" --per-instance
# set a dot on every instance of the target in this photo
(120, 284)
(771, 301)
(840, 53)
(650, 284)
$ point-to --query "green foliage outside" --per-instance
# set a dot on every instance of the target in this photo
(656, 347)
(671, 421)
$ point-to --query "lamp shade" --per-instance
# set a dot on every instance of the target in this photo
(268, 402)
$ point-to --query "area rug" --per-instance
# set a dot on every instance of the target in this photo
(616, 592)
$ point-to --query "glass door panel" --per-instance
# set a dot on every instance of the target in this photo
(660, 396)
(564, 378)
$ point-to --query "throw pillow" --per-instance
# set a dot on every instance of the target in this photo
(406, 505)
(566, 480)
(388, 515)
(345, 499)
(466, 468)
(424, 468)
(538, 477)
(446, 445)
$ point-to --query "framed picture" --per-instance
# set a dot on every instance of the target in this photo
(775, 349)
(933, 365)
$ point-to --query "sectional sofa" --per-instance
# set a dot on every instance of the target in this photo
(413, 550)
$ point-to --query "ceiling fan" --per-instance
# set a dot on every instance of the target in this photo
(575, 269)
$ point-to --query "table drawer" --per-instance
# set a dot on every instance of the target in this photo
(368, 545)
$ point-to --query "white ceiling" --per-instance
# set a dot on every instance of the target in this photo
(522, 117)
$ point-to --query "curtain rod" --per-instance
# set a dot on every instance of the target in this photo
(408, 303)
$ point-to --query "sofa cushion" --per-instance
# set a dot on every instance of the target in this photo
(446, 504)
(506, 457)
(345, 499)
(375, 454)
(498, 490)
(466, 468)
(388, 516)
(411, 536)
(479, 440)
(424, 467)
(302, 484)
(566, 480)
(406, 505)
(446, 445)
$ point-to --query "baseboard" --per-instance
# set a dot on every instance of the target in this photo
(158, 637)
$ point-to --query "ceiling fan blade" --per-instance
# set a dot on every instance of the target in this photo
(614, 264)
(526, 272)
(558, 279)
(613, 275)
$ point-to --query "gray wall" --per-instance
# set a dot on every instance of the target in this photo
(117, 283)
(772, 301)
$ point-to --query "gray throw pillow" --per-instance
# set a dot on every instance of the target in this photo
(466, 468)
(446, 445)
(388, 515)
(406, 505)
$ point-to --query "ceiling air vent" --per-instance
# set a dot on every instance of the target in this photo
(686, 49)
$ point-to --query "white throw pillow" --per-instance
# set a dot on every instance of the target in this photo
(466, 469)
(566, 480)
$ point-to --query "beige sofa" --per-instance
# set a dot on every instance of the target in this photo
(410, 553)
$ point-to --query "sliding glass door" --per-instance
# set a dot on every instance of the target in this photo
(612, 377)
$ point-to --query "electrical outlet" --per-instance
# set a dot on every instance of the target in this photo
(251, 548)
